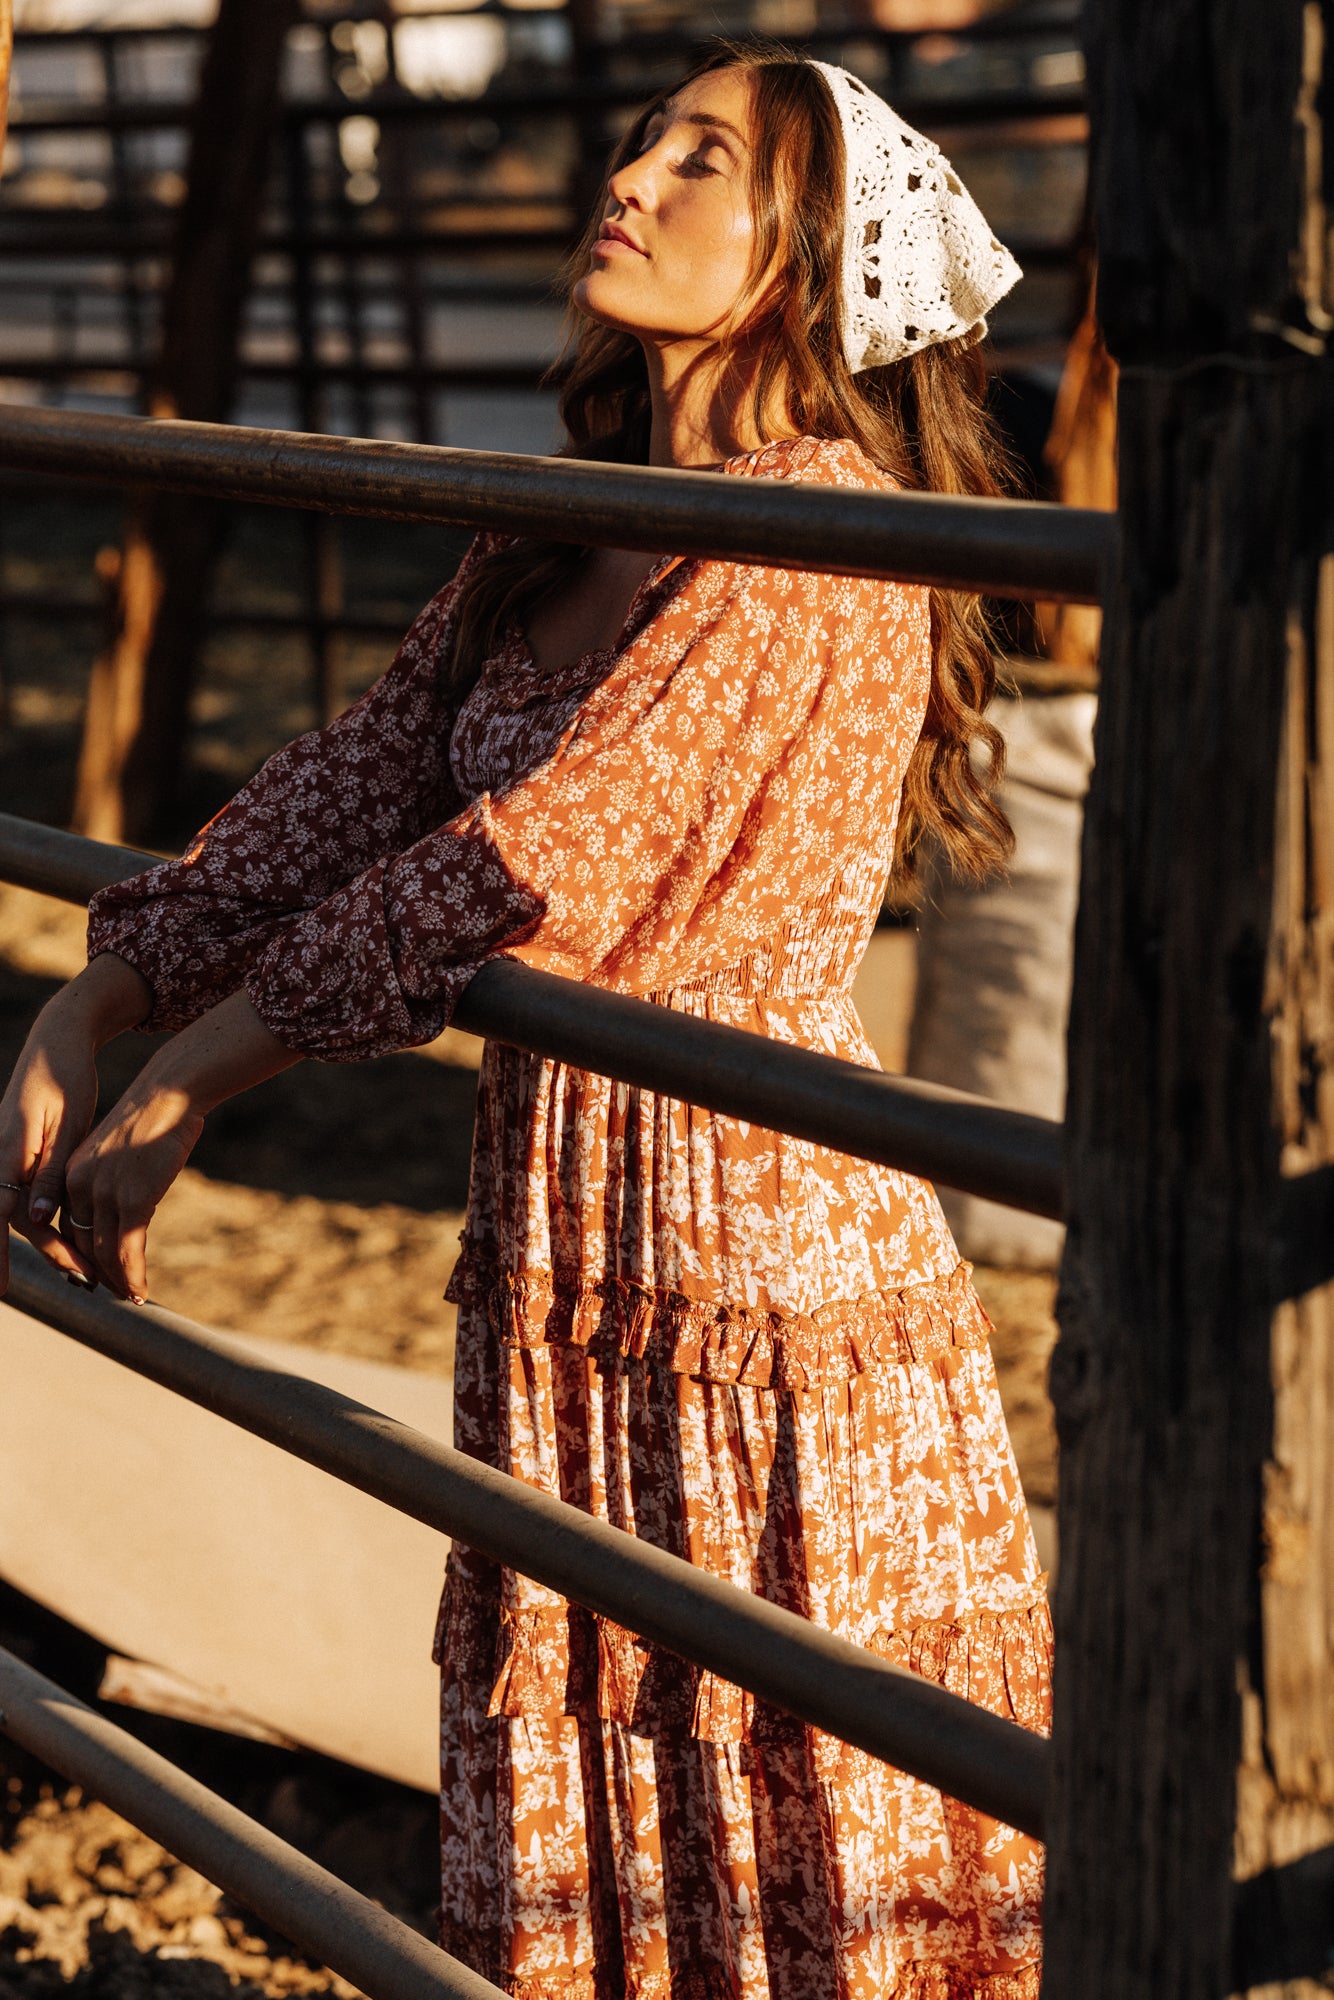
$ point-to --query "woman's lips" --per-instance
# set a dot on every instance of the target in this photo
(610, 240)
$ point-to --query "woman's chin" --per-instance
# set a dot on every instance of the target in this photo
(603, 299)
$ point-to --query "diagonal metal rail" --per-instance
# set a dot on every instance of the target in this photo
(347, 1931)
(1006, 548)
(920, 1128)
(892, 1713)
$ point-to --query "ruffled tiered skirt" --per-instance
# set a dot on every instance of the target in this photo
(767, 1359)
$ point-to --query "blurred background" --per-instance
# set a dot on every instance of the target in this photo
(380, 197)
(429, 164)
(349, 216)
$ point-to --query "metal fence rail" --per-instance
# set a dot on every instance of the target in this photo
(347, 1931)
(920, 1128)
(1006, 548)
(155, 114)
(895, 1714)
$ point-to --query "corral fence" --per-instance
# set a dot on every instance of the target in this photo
(1021, 549)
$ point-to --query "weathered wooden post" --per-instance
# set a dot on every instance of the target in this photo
(6, 61)
(1194, 1381)
(138, 700)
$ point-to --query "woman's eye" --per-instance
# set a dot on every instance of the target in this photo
(698, 164)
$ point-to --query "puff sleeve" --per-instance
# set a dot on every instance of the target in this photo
(320, 812)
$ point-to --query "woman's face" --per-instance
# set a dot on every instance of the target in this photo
(674, 256)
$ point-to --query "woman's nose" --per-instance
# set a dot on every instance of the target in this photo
(632, 184)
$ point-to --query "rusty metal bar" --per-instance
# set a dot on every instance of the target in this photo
(347, 1931)
(373, 624)
(525, 375)
(54, 233)
(932, 114)
(892, 1713)
(920, 1128)
(1006, 548)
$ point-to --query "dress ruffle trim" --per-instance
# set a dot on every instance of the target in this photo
(719, 1342)
(916, 1981)
(562, 1660)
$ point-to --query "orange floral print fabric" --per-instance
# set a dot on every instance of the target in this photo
(756, 1353)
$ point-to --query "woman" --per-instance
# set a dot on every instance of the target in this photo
(682, 780)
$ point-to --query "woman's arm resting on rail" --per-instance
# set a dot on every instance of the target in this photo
(51, 1100)
(317, 814)
(118, 1174)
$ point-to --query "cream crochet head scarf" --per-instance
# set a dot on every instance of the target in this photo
(919, 262)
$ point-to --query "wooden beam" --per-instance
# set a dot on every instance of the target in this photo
(139, 696)
(6, 61)
(1194, 1379)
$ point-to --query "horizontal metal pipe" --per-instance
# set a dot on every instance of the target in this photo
(931, 114)
(1006, 548)
(894, 1714)
(65, 233)
(525, 375)
(348, 1932)
(921, 1128)
(66, 610)
(1004, 26)
(64, 865)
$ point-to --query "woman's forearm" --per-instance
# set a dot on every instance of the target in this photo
(224, 1052)
(106, 998)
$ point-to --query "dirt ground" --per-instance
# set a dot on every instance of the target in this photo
(91, 1906)
(322, 1209)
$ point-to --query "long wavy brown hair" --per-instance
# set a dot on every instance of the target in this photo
(924, 420)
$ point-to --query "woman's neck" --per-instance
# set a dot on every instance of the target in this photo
(702, 415)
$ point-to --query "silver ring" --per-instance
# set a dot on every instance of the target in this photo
(13, 1187)
(77, 1225)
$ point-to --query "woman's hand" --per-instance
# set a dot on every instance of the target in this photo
(50, 1103)
(117, 1176)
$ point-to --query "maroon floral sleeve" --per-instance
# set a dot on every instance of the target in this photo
(319, 813)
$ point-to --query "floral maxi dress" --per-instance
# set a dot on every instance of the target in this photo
(749, 1350)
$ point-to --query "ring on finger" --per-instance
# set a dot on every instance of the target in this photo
(85, 1226)
(13, 1187)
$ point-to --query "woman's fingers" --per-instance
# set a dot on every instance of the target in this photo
(109, 1252)
(99, 1240)
(48, 1183)
(134, 1260)
(107, 1224)
(117, 1176)
(16, 1214)
(47, 1194)
(48, 1104)
(92, 1225)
